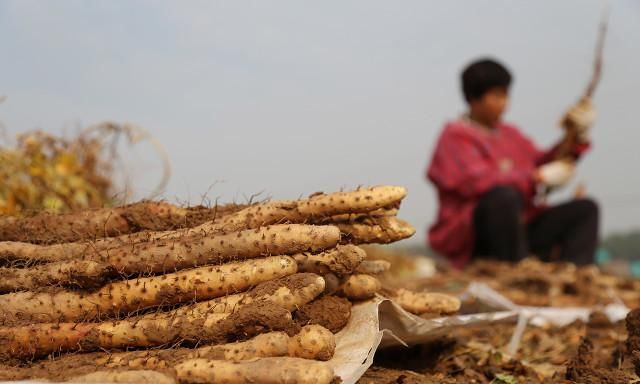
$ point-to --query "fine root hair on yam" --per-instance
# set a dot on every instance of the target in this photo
(125, 297)
(90, 224)
(268, 370)
(381, 230)
(317, 206)
(342, 260)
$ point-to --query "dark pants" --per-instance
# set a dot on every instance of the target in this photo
(566, 232)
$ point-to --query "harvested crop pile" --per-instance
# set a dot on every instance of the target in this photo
(535, 283)
(153, 293)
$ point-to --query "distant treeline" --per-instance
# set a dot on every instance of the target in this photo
(623, 245)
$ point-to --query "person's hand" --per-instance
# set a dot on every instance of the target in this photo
(580, 118)
(556, 173)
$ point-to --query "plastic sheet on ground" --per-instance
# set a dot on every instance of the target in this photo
(543, 315)
(356, 343)
(380, 323)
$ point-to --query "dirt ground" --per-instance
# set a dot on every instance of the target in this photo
(587, 353)
(577, 353)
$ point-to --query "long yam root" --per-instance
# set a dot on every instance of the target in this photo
(358, 201)
(268, 370)
(129, 296)
(168, 255)
(20, 254)
(284, 211)
(39, 340)
(73, 274)
(312, 342)
(143, 376)
(290, 293)
(381, 230)
(254, 216)
(91, 224)
(355, 217)
(26, 342)
(317, 206)
(309, 210)
(271, 344)
(343, 260)
(179, 252)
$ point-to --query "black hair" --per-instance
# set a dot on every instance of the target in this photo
(482, 75)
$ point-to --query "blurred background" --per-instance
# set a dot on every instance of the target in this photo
(285, 98)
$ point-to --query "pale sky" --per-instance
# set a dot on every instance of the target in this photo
(293, 97)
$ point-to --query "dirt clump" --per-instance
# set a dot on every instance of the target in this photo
(254, 319)
(331, 312)
(292, 282)
(581, 369)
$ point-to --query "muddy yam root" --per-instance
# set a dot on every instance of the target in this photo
(91, 224)
(177, 250)
(38, 340)
(73, 274)
(271, 344)
(357, 201)
(290, 293)
(169, 255)
(355, 217)
(137, 376)
(268, 370)
(317, 206)
(312, 342)
(343, 260)
(382, 230)
(124, 297)
(331, 312)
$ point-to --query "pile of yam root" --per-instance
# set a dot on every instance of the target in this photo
(152, 292)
